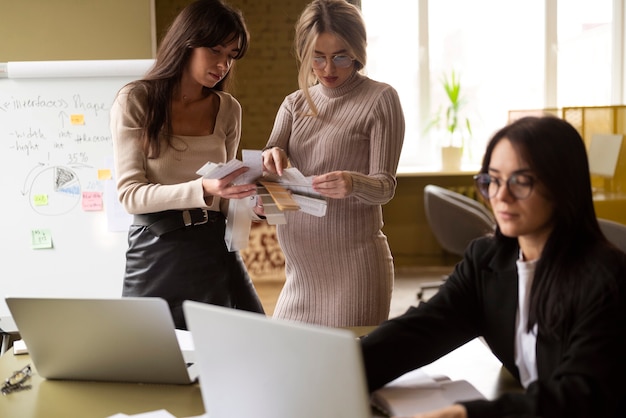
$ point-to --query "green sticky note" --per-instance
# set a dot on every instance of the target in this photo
(40, 200)
(40, 239)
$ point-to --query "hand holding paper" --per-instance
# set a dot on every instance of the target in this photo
(301, 188)
(227, 187)
(252, 160)
(275, 160)
(236, 180)
(336, 184)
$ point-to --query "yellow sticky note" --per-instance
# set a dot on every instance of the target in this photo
(77, 119)
(40, 239)
(40, 200)
(104, 174)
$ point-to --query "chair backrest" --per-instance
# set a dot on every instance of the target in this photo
(614, 232)
(455, 219)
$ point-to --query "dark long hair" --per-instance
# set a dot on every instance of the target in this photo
(203, 23)
(557, 155)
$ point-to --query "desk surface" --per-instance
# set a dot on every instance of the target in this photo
(69, 399)
(72, 399)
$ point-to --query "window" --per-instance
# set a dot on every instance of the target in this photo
(498, 49)
(584, 58)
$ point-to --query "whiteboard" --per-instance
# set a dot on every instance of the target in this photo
(63, 230)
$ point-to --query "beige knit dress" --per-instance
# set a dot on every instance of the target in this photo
(339, 268)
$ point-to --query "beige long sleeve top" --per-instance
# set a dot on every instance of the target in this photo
(147, 185)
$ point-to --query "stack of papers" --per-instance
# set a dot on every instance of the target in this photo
(290, 192)
(302, 198)
(219, 170)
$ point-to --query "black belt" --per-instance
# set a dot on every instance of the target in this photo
(167, 221)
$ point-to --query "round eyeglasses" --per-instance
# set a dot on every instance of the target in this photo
(339, 61)
(519, 185)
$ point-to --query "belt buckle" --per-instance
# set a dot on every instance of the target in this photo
(205, 217)
(188, 221)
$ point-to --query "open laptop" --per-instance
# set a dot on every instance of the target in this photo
(122, 340)
(254, 366)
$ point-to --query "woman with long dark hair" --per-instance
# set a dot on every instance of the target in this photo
(546, 292)
(346, 131)
(165, 127)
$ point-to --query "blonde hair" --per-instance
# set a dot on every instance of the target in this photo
(336, 17)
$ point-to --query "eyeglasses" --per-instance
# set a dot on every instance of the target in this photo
(519, 185)
(339, 61)
(16, 381)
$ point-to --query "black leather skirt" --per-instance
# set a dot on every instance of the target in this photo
(186, 261)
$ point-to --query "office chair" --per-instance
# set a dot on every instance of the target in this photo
(455, 220)
(614, 232)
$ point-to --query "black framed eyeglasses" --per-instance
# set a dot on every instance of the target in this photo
(17, 381)
(340, 61)
(519, 185)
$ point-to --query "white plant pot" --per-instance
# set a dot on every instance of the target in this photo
(451, 158)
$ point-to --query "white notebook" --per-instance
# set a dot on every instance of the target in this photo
(416, 392)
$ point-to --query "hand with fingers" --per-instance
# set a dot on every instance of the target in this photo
(225, 188)
(336, 184)
(275, 160)
(452, 411)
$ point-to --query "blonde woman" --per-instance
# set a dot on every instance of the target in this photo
(347, 131)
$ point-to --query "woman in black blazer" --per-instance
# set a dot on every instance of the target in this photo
(547, 291)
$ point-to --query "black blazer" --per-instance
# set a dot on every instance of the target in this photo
(582, 375)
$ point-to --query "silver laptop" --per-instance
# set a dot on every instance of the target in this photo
(254, 366)
(122, 340)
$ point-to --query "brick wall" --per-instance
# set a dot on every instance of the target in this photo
(268, 72)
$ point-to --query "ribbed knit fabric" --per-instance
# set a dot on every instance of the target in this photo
(339, 268)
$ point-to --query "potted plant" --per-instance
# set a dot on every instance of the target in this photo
(455, 127)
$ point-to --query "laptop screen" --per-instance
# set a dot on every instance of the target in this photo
(252, 365)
